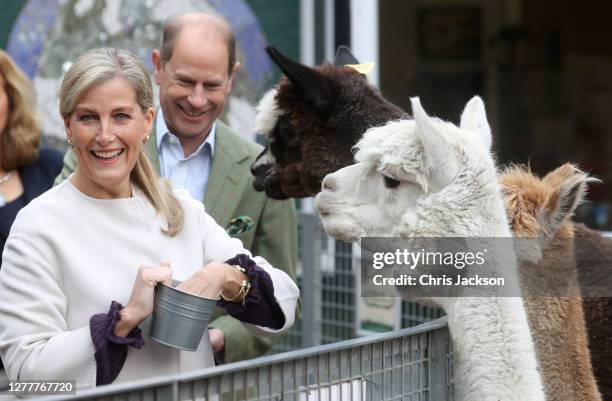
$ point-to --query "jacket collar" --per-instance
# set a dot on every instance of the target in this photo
(150, 149)
(32, 180)
(227, 180)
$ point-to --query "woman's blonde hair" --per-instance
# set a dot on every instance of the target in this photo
(101, 65)
(21, 136)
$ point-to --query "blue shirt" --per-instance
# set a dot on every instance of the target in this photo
(190, 173)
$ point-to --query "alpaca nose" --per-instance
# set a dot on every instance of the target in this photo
(259, 169)
(263, 164)
(329, 183)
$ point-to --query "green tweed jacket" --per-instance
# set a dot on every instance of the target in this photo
(230, 193)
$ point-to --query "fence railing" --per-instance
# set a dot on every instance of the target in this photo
(408, 364)
(328, 275)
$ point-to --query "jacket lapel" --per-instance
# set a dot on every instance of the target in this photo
(226, 180)
(227, 177)
(31, 181)
(150, 148)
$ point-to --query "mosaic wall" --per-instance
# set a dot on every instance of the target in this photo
(49, 34)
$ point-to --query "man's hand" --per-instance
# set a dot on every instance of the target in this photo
(217, 339)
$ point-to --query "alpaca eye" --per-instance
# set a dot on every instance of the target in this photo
(390, 182)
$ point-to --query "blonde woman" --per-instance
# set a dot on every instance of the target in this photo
(106, 236)
(25, 170)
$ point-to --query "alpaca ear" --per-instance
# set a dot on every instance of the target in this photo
(441, 162)
(474, 118)
(344, 56)
(570, 187)
(310, 82)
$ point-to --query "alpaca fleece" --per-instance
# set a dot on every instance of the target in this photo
(541, 210)
(312, 119)
(429, 178)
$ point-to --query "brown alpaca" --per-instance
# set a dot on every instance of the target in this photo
(312, 119)
(542, 209)
(594, 264)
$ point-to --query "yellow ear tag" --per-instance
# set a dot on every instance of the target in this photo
(363, 68)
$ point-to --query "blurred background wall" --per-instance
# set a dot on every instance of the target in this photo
(543, 67)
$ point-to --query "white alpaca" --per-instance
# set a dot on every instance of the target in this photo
(429, 178)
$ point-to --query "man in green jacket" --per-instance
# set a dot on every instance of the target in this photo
(194, 69)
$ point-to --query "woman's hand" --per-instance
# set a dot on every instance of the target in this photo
(141, 300)
(209, 281)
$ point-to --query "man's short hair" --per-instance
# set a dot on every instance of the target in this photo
(173, 27)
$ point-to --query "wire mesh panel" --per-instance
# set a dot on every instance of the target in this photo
(338, 297)
(410, 364)
(414, 314)
(293, 339)
(327, 277)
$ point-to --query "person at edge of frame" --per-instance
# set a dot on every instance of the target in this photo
(26, 168)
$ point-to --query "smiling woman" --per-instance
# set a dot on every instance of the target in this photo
(108, 235)
(106, 130)
(107, 106)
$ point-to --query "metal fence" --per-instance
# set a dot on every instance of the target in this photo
(411, 364)
(328, 275)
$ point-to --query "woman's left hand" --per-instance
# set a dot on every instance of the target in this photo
(210, 280)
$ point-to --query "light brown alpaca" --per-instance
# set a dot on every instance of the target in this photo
(542, 209)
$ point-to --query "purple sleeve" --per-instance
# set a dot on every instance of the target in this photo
(260, 306)
(110, 349)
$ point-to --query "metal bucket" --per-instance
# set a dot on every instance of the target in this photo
(179, 319)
